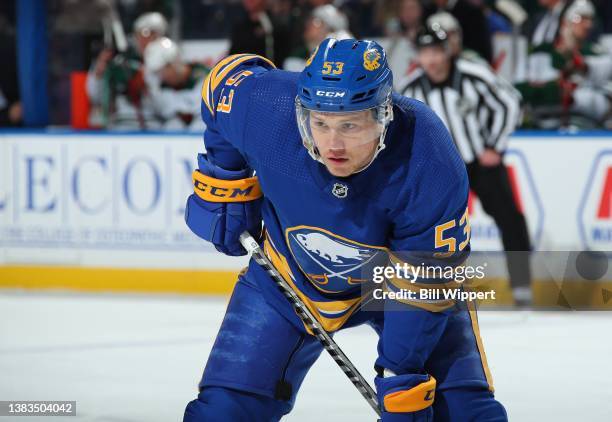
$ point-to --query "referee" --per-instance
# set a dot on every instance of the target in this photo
(480, 110)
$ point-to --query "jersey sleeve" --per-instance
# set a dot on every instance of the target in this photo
(430, 231)
(226, 95)
(433, 230)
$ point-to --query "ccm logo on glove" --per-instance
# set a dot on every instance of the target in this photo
(216, 190)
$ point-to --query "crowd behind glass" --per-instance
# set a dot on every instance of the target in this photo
(557, 53)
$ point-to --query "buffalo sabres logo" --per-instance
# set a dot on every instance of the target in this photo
(332, 263)
(340, 190)
(371, 58)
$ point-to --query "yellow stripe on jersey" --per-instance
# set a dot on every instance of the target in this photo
(434, 303)
(206, 87)
(404, 284)
(483, 356)
(424, 270)
(220, 71)
(344, 308)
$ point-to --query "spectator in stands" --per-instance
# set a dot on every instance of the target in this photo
(402, 32)
(177, 100)
(116, 83)
(473, 23)
(258, 32)
(324, 22)
(567, 80)
(544, 28)
(11, 113)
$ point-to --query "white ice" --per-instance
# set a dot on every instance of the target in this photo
(130, 358)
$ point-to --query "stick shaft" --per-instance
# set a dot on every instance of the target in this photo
(311, 322)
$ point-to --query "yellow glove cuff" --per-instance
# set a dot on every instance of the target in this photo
(217, 190)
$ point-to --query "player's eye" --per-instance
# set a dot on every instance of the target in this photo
(349, 126)
(319, 124)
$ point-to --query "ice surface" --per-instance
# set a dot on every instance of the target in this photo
(139, 358)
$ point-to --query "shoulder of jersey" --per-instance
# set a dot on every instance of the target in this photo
(410, 105)
(226, 68)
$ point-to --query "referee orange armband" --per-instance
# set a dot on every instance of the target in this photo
(217, 190)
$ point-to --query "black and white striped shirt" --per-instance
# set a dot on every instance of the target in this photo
(479, 108)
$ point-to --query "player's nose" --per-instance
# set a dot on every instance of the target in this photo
(336, 142)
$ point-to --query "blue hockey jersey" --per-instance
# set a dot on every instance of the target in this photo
(323, 233)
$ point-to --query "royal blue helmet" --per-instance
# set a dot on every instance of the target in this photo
(345, 75)
(341, 77)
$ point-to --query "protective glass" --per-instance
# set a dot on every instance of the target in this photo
(349, 129)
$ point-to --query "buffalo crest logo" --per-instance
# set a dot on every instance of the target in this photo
(371, 59)
(332, 263)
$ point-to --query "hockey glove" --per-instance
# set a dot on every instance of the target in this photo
(224, 204)
(406, 398)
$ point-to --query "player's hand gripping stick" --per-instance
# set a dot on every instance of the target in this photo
(311, 322)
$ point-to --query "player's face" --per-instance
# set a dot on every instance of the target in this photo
(410, 13)
(346, 141)
(144, 38)
(581, 28)
(315, 31)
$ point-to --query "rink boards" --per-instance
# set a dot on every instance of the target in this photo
(105, 211)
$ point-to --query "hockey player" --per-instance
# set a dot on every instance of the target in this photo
(348, 175)
(117, 85)
(325, 21)
(176, 98)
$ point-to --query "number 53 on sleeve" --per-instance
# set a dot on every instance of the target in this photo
(443, 239)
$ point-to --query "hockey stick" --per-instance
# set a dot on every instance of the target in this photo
(115, 25)
(311, 322)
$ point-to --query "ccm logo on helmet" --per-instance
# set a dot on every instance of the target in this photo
(330, 94)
